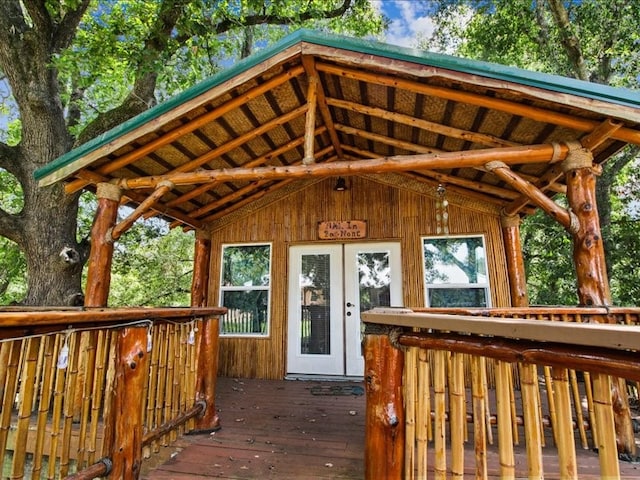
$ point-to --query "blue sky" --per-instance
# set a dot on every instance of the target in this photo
(409, 21)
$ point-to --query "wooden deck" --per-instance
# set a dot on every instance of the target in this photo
(304, 430)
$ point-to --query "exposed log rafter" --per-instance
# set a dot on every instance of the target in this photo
(189, 127)
(254, 163)
(434, 127)
(309, 65)
(535, 113)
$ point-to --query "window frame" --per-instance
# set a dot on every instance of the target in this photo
(245, 288)
(456, 286)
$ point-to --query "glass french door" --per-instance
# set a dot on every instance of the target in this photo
(329, 285)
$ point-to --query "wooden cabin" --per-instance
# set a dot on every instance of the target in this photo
(327, 176)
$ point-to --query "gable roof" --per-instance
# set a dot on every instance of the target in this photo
(348, 101)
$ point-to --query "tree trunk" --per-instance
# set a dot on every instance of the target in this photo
(54, 258)
(49, 237)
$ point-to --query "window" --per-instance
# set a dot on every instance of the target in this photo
(245, 289)
(455, 272)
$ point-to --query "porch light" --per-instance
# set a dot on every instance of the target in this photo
(341, 185)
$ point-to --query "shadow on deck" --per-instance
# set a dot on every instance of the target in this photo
(304, 430)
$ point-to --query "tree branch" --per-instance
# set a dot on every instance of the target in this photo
(569, 40)
(65, 30)
(39, 16)
(619, 161)
(156, 48)
(11, 227)
(12, 28)
(250, 20)
(142, 94)
(9, 158)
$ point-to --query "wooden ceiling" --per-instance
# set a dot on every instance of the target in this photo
(317, 106)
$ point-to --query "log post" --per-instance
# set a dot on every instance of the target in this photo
(207, 349)
(515, 262)
(200, 279)
(131, 374)
(101, 255)
(528, 371)
(385, 427)
(98, 281)
(593, 290)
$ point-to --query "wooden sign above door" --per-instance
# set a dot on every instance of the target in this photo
(342, 230)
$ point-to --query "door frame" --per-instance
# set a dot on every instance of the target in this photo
(345, 343)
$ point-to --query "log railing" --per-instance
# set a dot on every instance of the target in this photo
(89, 392)
(430, 374)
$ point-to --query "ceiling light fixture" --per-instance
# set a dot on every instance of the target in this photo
(341, 185)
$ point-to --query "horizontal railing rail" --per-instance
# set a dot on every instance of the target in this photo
(86, 390)
(424, 365)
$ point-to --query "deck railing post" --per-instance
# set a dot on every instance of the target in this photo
(385, 426)
(126, 408)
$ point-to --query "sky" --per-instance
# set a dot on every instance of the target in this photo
(409, 21)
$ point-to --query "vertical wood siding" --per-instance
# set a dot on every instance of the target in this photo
(391, 212)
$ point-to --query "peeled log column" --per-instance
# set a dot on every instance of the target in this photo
(207, 349)
(98, 280)
(515, 262)
(593, 290)
(200, 279)
(101, 256)
(528, 371)
(588, 250)
(206, 374)
(385, 427)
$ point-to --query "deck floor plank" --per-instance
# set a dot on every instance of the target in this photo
(280, 429)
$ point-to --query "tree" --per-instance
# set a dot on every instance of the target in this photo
(75, 68)
(592, 40)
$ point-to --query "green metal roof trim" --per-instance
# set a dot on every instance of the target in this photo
(604, 93)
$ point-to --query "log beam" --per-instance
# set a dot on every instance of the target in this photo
(469, 158)
(92, 177)
(592, 140)
(507, 175)
(546, 182)
(253, 163)
(385, 426)
(117, 231)
(432, 127)
(600, 134)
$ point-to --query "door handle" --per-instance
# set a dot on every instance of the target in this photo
(349, 304)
